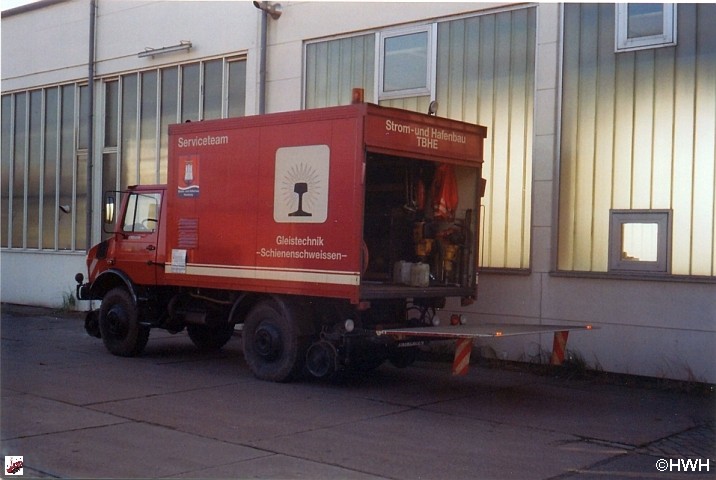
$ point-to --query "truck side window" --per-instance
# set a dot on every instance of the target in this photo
(142, 213)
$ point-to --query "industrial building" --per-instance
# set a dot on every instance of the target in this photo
(600, 205)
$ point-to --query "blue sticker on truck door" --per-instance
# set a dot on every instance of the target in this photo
(301, 184)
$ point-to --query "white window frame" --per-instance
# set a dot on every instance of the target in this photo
(667, 37)
(618, 218)
(431, 64)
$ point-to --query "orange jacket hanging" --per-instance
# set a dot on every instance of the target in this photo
(444, 193)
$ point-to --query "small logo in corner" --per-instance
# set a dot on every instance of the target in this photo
(13, 465)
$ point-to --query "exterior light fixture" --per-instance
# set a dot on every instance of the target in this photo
(273, 9)
(433, 108)
(151, 52)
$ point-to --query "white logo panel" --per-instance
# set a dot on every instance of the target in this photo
(301, 184)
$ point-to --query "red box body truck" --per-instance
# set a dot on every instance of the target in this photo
(311, 232)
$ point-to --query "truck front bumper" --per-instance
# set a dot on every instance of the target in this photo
(83, 291)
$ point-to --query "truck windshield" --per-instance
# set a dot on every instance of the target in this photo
(142, 212)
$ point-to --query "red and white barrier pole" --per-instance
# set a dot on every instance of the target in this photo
(463, 349)
(559, 347)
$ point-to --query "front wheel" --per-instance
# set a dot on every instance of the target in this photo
(273, 346)
(119, 324)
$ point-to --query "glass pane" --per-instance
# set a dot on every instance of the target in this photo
(129, 160)
(67, 161)
(33, 178)
(237, 88)
(81, 203)
(5, 153)
(111, 113)
(109, 178)
(405, 62)
(640, 242)
(142, 213)
(645, 19)
(170, 87)
(130, 214)
(49, 202)
(18, 179)
(84, 117)
(213, 73)
(148, 129)
(190, 93)
(109, 172)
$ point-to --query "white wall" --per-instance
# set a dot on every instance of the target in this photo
(44, 279)
(660, 329)
(45, 52)
(125, 28)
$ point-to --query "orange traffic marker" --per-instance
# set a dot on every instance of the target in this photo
(463, 349)
(559, 346)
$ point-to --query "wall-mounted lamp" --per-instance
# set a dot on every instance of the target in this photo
(273, 9)
(151, 52)
(433, 108)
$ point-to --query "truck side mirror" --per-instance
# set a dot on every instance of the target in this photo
(109, 209)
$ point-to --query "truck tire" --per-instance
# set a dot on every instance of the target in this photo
(273, 347)
(119, 324)
(212, 338)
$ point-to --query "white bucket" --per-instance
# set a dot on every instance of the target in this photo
(420, 275)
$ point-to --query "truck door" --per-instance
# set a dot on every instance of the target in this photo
(137, 249)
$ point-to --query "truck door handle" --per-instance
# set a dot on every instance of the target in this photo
(151, 247)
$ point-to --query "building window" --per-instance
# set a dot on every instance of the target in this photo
(144, 104)
(645, 25)
(44, 165)
(407, 66)
(43, 143)
(639, 240)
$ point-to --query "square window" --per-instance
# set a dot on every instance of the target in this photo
(645, 25)
(639, 240)
(406, 63)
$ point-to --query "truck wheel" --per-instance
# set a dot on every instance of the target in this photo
(119, 324)
(210, 338)
(273, 347)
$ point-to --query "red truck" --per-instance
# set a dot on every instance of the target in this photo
(329, 237)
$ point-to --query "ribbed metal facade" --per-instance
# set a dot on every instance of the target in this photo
(485, 75)
(638, 132)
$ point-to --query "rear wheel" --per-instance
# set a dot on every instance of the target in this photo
(119, 324)
(273, 346)
(210, 338)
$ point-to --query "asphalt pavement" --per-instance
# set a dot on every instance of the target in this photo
(72, 410)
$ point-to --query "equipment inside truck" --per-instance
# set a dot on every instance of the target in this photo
(419, 225)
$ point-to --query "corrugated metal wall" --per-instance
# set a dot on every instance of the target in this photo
(485, 75)
(335, 67)
(638, 132)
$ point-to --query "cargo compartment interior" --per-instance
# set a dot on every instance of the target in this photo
(419, 227)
